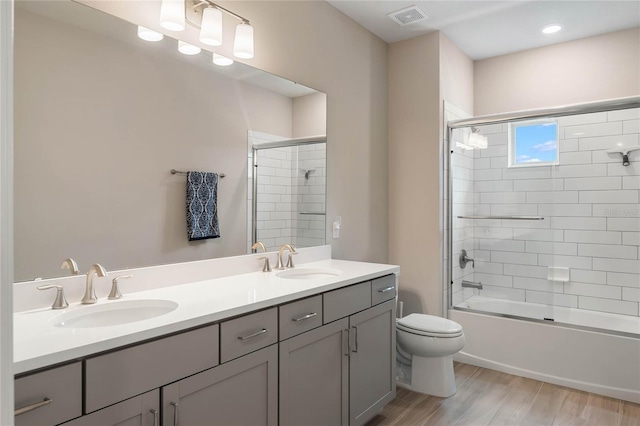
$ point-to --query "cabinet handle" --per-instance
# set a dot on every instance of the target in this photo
(155, 416)
(252, 335)
(384, 290)
(32, 407)
(304, 317)
(348, 345)
(175, 413)
(355, 349)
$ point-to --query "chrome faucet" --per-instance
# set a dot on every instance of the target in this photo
(69, 263)
(292, 250)
(265, 267)
(90, 292)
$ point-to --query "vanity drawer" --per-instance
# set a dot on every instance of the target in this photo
(62, 386)
(248, 333)
(346, 301)
(119, 375)
(300, 316)
(383, 289)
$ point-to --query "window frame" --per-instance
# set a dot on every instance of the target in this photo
(511, 145)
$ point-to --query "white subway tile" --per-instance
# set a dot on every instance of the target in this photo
(607, 305)
(593, 290)
(503, 198)
(573, 120)
(593, 183)
(499, 162)
(569, 145)
(623, 224)
(514, 209)
(631, 182)
(606, 250)
(537, 284)
(631, 294)
(483, 267)
(580, 157)
(552, 197)
(622, 279)
(585, 276)
(488, 129)
(616, 265)
(503, 293)
(593, 237)
(617, 169)
(631, 238)
(624, 114)
(564, 261)
(587, 223)
(537, 234)
(517, 258)
(631, 126)
(553, 299)
(543, 172)
(501, 245)
(564, 210)
(494, 186)
(493, 232)
(494, 151)
(539, 185)
(629, 196)
(482, 163)
(488, 174)
(596, 129)
(617, 210)
(568, 249)
(580, 170)
(603, 156)
(497, 139)
(533, 224)
(526, 271)
(607, 142)
(494, 279)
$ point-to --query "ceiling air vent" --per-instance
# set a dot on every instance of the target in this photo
(407, 16)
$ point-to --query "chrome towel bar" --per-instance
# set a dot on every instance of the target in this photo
(178, 172)
(503, 217)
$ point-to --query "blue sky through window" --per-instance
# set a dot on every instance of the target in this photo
(536, 143)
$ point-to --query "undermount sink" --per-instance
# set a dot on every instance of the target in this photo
(114, 313)
(309, 273)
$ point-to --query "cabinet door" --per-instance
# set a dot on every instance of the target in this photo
(142, 410)
(314, 377)
(372, 378)
(240, 392)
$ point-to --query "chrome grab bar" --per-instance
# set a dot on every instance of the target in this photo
(32, 407)
(503, 217)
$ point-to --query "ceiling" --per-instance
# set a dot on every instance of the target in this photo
(483, 29)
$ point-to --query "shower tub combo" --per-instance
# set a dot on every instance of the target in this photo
(550, 230)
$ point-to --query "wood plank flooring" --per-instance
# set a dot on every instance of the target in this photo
(487, 397)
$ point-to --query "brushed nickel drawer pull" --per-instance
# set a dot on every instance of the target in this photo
(32, 407)
(384, 290)
(348, 345)
(155, 416)
(252, 335)
(176, 414)
(304, 317)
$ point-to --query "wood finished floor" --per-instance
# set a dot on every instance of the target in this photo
(487, 397)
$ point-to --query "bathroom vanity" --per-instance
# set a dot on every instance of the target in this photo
(313, 347)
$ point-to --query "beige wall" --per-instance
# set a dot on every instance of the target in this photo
(314, 44)
(310, 115)
(98, 125)
(590, 69)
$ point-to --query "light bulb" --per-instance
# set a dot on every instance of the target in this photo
(243, 43)
(172, 15)
(188, 49)
(222, 61)
(211, 29)
(149, 35)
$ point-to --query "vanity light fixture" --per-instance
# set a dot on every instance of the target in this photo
(550, 29)
(188, 49)
(149, 35)
(222, 61)
(207, 16)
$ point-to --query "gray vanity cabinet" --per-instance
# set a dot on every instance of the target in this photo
(243, 391)
(142, 410)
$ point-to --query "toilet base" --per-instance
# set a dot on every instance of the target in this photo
(432, 376)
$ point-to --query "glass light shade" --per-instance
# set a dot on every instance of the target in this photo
(172, 15)
(188, 49)
(222, 61)
(149, 35)
(243, 43)
(211, 27)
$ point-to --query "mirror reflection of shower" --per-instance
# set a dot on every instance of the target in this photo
(287, 190)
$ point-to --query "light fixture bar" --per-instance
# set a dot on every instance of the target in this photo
(227, 11)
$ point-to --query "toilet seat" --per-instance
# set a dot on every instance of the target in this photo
(429, 325)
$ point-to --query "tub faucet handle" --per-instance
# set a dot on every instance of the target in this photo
(464, 259)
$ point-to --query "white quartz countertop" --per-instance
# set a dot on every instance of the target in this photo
(39, 342)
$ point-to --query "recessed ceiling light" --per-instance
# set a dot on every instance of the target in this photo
(550, 29)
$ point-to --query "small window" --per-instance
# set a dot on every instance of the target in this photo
(533, 143)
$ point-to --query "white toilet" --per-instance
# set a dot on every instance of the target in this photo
(425, 348)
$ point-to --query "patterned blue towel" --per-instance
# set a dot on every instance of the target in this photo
(202, 206)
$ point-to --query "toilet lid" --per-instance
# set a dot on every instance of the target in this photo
(420, 323)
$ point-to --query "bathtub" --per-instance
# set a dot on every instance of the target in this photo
(591, 351)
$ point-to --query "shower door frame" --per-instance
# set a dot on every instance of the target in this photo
(561, 111)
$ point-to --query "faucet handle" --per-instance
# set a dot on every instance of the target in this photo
(115, 291)
(69, 263)
(61, 301)
(290, 260)
(266, 267)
